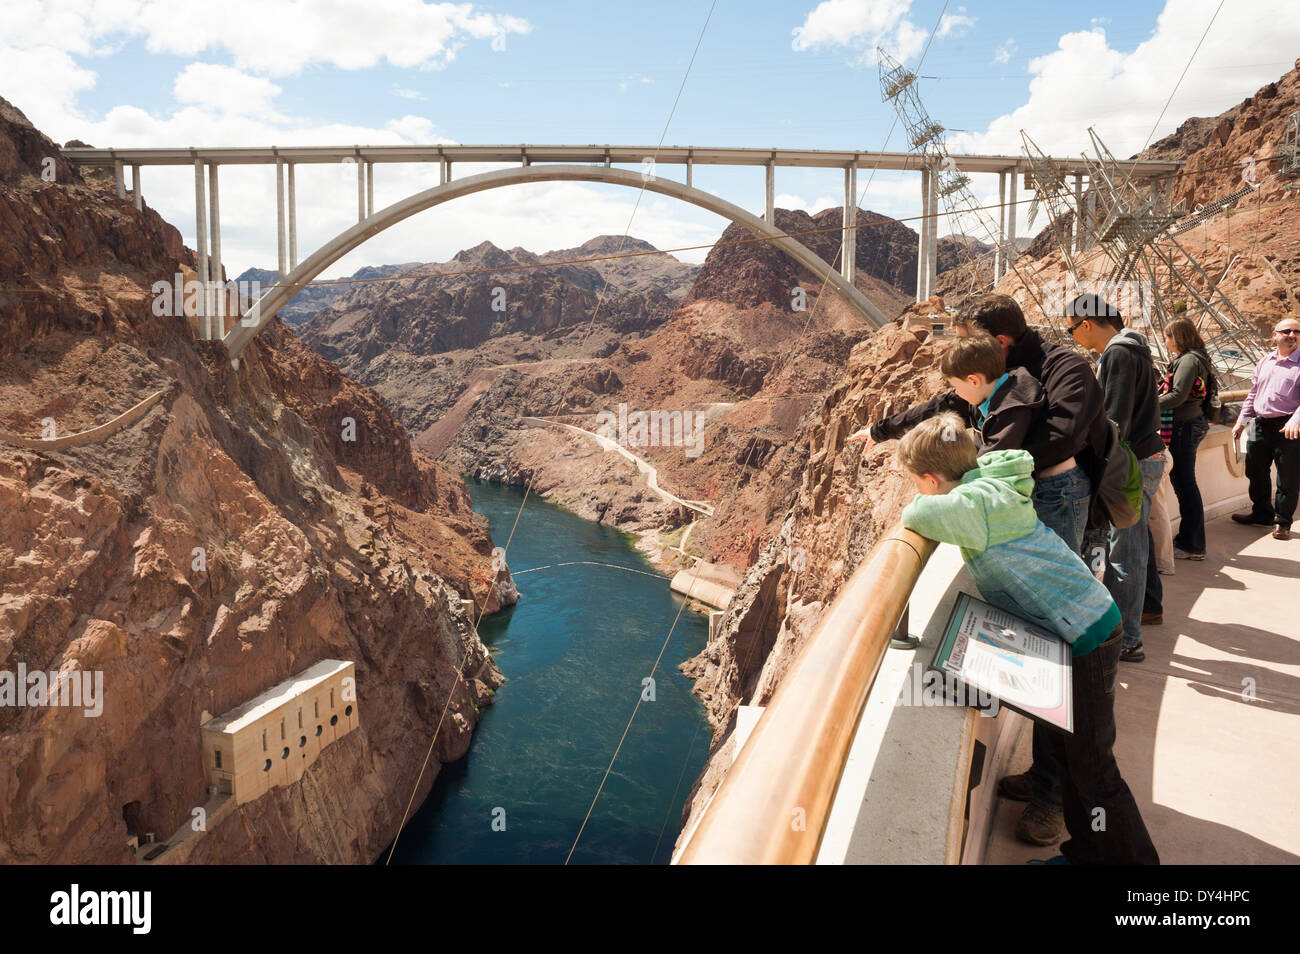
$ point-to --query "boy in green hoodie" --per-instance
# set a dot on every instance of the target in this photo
(984, 507)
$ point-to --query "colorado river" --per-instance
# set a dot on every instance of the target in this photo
(575, 651)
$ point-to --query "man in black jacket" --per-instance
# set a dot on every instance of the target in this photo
(1068, 447)
(1128, 384)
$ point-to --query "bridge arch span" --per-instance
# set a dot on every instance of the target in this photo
(279, 295)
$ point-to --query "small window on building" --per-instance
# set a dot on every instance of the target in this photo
(300, 718)
(334, 720)
(263, 740)
(302, 740)
(347, 711)
(316, 710)
(281, 730)
(216, 754)
(319, 729)
(267, 766)
(331, 698)
(285, 753)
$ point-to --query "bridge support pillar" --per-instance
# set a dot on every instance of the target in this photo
(932, 255)
(1012, 249)
(998, 264)
(922, 230)
(689, 166)
(849, 242)
(201, 240)
(444, 171)
(361, 189)
(281, 247)
(217, 313)
(136, 194)
(370, 189)
(293, 221)
(769, 205)
(119, 178)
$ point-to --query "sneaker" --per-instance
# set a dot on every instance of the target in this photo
(1041, 824)
(1016, 787)
(1281, 533)
(1250, 519)
(1132, 654)
(1184, 555)
(1152, 619)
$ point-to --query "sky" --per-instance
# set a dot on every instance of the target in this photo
(787, 74)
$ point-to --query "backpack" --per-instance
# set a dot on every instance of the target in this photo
(1117, 486)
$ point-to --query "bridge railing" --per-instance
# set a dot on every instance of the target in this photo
(773, 805)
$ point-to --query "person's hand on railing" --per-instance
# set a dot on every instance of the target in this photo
(863, 435)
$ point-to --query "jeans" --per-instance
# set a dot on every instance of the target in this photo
(1187, 436)
(1265, 448)
(1061, 502)
(1101, 815)
(1154, 599)
(1128, 553)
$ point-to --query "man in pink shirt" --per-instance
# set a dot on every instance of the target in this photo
(1272, 411)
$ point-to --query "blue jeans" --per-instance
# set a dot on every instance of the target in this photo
(1126, 552)
(1061, 502)
(1187, 436)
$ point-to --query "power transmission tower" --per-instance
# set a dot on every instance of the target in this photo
(925, 138)
(1134, 225)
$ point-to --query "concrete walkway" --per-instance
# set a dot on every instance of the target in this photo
(1217, 775)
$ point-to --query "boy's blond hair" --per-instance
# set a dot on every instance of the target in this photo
(977, 353)
(939, 445)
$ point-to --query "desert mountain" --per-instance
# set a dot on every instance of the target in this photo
(247, 524)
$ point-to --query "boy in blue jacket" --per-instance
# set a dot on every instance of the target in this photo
(984, 507)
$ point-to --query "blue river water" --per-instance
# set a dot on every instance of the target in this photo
(575, 651)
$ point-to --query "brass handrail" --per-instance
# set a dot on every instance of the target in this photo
(773, 805)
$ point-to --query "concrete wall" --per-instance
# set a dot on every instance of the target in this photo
(278, 746)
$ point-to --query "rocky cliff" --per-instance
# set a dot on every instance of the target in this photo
(828, 504)
(252, 523)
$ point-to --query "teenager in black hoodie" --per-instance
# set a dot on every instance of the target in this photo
(1127, 377)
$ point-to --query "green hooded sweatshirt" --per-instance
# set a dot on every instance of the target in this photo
(1018, 564)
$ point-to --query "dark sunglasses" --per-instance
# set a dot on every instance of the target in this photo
(1075, 327)
(1288, 331)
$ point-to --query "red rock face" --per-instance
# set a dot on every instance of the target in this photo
(322, 535)
(826, 505)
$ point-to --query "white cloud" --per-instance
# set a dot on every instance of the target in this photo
(226, 90)
(407, 93)
(863, 25)
(1085, 82)
(787, 200)
(955, 24)
(270, 37)
(1005, 51)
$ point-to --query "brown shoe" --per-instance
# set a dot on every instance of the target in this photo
(1281, 533)
(1041, 824)
(1152, 619)
(1016, 787)
(1250, 520)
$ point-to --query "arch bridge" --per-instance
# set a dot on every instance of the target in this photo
(544, 164)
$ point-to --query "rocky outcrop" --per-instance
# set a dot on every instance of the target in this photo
(840, 503)
(253, 522)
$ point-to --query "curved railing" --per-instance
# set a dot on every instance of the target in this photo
(773, 805)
